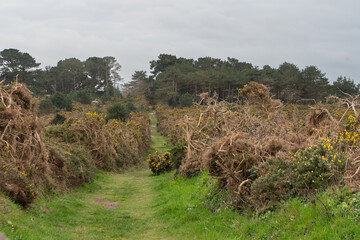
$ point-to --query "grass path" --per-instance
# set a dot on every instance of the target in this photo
(158, 142)
(115, 206)
(118, 206)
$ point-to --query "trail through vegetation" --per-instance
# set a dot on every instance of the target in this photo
(115, 206)
(135, 204)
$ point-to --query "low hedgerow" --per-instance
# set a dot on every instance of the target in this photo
(160, 163)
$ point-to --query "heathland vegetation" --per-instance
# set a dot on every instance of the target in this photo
(244, 152)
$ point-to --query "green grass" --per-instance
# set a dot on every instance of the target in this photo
(79, 216)
(158, 142)
(181, 203)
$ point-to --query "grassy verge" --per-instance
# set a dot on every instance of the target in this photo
(186, 206)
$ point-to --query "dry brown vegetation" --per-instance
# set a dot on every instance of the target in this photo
(261, 140)
(24, 158)
(35, 162)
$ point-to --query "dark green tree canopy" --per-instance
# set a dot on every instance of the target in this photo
(71, 74)
(96, 75)
(345, 85)
(176, 79)
(13, 62)
(160, 65)
(172, 79)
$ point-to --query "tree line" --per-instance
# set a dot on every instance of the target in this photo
(98, 75)
(178, 80)
(172, 79)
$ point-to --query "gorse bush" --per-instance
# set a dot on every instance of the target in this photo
(263, 152)
(25, 170)
(312, 169)
(61, 132)
(350, 136)
(34, 162)
(160, 163)
(273, 183)
(318, 166)
(73, 164)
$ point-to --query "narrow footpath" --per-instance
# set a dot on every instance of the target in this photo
(115, 206)
(123, 206)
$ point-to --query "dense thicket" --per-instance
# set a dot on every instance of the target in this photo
(262, 151)
(178, 80)
(35, 160)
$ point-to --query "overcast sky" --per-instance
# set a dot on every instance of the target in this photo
(324, 33)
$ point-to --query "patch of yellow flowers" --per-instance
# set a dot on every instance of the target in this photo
(160, 163)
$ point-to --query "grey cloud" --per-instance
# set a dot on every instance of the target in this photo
(321, 33)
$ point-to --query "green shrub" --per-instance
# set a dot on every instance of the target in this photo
(60, 131)
(58, 119)
(312, 169)
(46, 107)
(273, 185)
(160, 163)
(178, 153)
(131, 107)
(355, 204)
(73, 163)
(61, 101)
(317, 167)
(83, 96)
(209, 193)
(117, 111)
(105, 98)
